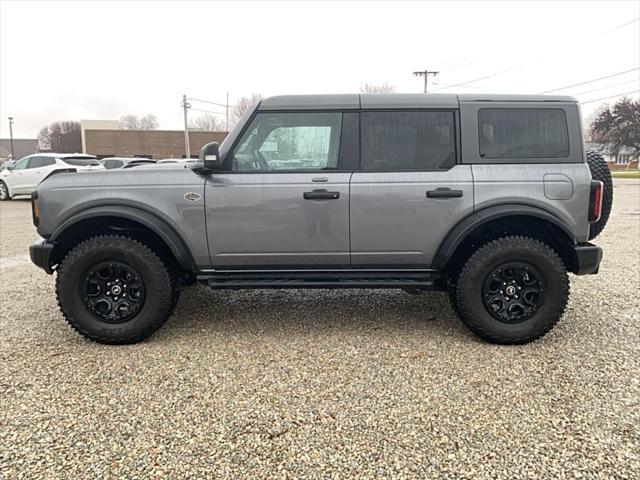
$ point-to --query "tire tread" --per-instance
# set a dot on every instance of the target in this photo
(145, 253)
(600, 171)
(479, 258)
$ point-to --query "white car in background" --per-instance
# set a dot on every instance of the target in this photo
(24, 176)
(183, 161)
(117, 163)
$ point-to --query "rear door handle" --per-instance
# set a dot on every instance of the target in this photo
(321, 194)
(444, 192)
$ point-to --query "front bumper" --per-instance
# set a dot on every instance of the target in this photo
(40, 252)
(587, 258)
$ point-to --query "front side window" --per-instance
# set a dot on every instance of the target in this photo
(289, 142)
(22, 164)
(393, 141)
(37, 162)
(523, 133)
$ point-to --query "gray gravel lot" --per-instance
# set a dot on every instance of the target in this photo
(322, 383)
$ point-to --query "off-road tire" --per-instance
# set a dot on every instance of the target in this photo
(176, 286)
(600, 171)
(469, 303)
(4, 192)
(157, 283)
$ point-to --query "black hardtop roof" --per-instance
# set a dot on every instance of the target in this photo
(365, 101)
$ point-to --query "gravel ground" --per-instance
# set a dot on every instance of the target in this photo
(322, 383)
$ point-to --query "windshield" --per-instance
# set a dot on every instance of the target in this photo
(81, 161)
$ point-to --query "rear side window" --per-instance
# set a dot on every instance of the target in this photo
(81, 161)
(523, 133)
(392, 141)
(109, 164)
(37, 162)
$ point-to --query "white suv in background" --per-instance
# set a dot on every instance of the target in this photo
(24, 176)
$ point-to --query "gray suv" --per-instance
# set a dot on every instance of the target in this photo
(491, 198)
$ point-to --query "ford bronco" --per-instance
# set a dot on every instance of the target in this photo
(491, 198)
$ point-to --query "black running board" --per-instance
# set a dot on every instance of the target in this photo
(406, 279)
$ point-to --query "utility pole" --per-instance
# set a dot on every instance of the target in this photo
(226, 121)
(185, 106)
(13, 156)
(425, 73)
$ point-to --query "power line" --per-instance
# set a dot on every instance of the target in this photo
(608, 86)
(623, 25)
(484, 77)
(521, 65)
(207, 101)
(590, 81)
(459, 66)
(612, 96)
(225, 105)
(446, 85)
(206, 111)
(455, 62)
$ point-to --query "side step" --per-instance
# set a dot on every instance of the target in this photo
(408, 279)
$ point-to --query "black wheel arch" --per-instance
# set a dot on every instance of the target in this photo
(119, 218)
(498, 217)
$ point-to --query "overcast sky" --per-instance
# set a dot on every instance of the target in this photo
(77, 60)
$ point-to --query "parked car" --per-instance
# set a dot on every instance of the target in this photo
(112, 163)
(178, 160)
(491, 198)
(24, 176)
(7, 163)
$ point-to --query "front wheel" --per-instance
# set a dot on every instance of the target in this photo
(512, 290)
(113, 289)
(4, 192)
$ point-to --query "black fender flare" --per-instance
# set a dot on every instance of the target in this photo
(457, 234)
(162, 229)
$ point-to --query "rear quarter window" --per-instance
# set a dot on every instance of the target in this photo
(523, 133)
(81, 161)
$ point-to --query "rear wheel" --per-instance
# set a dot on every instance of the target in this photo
(512, 290)
(114, 290)
(600, 171)
(4, 192)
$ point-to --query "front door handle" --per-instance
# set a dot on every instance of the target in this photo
(321, 194)
(444, 192)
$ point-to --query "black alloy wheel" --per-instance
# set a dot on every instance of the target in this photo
(113, 291)
(513, 292)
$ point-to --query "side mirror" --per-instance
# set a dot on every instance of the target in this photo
(209, 159)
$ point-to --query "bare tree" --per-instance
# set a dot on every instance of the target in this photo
(243, 104)
(618, 126)
(60, 137)
(132, 122)
(129, 122)
(207, 122)
(149, 122)
(372, 88)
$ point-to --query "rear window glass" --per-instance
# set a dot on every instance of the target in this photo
(392, 141)
(81, 161)
(523, 133)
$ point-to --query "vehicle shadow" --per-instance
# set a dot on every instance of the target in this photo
(298, 311)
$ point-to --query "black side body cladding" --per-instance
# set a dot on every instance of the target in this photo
(148, 220)
(477, 219)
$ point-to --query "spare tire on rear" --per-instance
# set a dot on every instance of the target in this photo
(600, 171)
